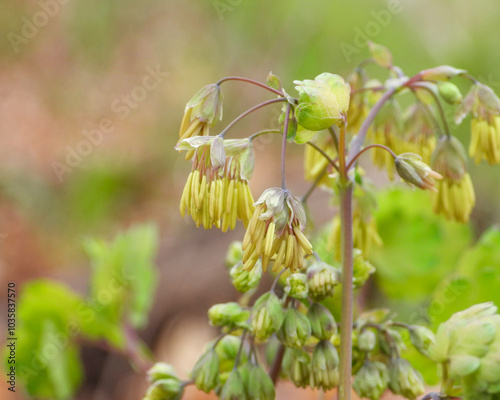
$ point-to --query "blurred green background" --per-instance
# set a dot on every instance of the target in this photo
(129, 67)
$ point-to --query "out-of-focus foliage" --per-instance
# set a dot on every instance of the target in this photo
(420, 248)
(53, 319)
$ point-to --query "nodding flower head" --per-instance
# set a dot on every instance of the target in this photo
(201, 112)
(484, 106)
(275, 232)
(217, 192)
(415, 172)
(455, 198)
(419, 133)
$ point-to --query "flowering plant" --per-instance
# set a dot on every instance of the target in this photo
(335, 118)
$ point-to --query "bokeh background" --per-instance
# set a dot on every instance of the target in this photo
(70, 67)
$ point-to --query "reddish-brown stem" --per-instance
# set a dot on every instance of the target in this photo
(368, 148)
(251, 81)
(249, 111)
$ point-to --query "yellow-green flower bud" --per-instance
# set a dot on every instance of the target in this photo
(322, 322)
(234, 254)
(449, 159)
(380, 54)
(324, 366)
(165, 389)
(323, 102)
(206, 105)
(404, 379)
(206, 371)
(391, 342)
(226, 350)
(441, 73)
(273, 81)
(371, 380)
(244, 280)
(450, 93)
(367, 341)
(296, 286)
(235, 386)
(161, 370)
(295, 329)
(227, 314)
(362, 269)
(322, 279)
(414, 172)
(297, 367)
(422, 338)
(267, 316)
(260, 386)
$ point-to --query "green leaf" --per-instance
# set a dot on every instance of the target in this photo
(50, 320)
(124, 278)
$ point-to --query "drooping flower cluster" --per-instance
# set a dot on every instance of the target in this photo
(217, 192)
(455, 196)
(484, 106)
(386, 130)
(201, 112)
(275, 232)
(418, 131)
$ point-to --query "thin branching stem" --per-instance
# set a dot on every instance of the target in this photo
(283, 146)
(251, 81)
(330, 160)
(263, 132)
(314, 185)
(438, 104)
(368, 148)
(249, 111)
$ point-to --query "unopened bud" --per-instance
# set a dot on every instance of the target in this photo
(381, 54)
(297, 367)
(371, 380)
(295, 329)
(244, 280)
(322, 279)
(323, 102)
(322, 322)
(450, 93)
(226, 350)
(449, 159)
(161, 370)
(391, 342)
(362, 269)
(206, 105)
(441, 73)
(422, 338)
(206, 371)
(415, 172)
(260, 386)
(165, 389)
(235, 386)
(296, 286)
(227, 314)
(404, 379)
(367, 341)
(273, 81)
(324, 366)
(267, 316)
(234, 254)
